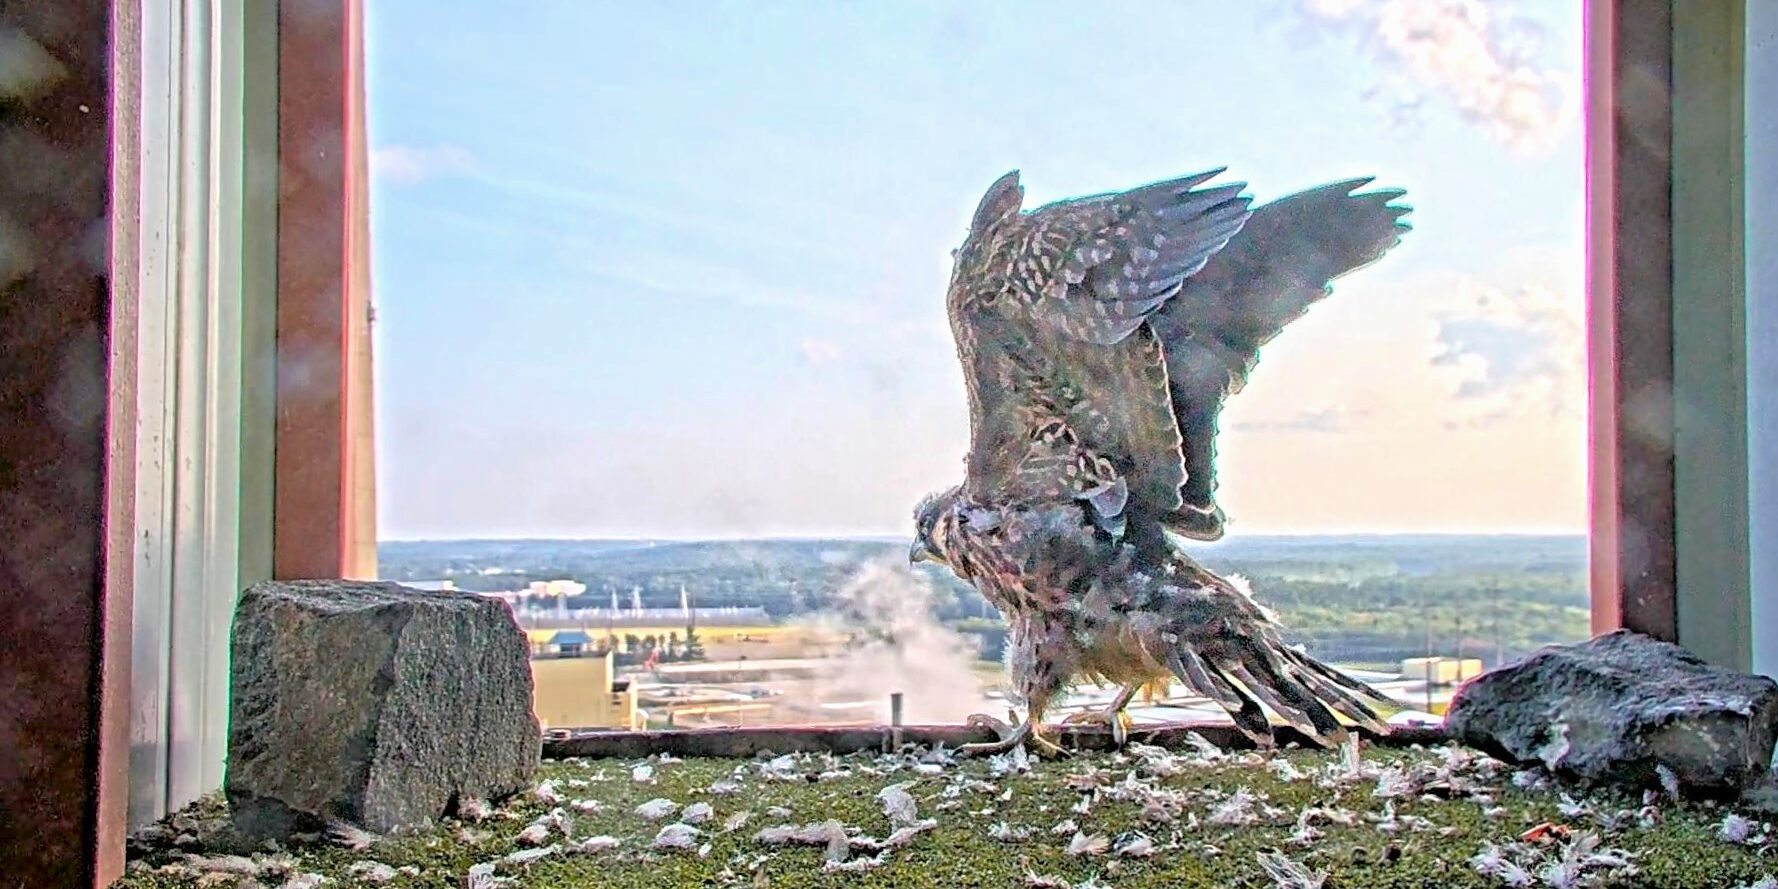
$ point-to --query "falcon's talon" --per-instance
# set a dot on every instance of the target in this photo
(1008, 740)
(1045, 747)
(1000, 727)
(1117, 720)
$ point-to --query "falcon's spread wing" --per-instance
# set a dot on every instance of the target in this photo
(1050, 312)
(1283, 260)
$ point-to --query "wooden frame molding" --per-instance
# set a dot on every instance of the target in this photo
(1630, 315)
(322, 311)
(68, 185)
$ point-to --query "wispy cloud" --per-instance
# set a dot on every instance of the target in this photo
(818, 352)
(1317, 421)
(1484, 58)
(416, 163)
(1511, 354)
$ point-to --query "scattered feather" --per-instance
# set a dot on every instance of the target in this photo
(1082, 844)
(1395, 782)
(898, 804)
(547, 793)
(697, 813)
(305, 881)
(675, 836)
(1138, 845)
(854, 866)
(1493, 861)
(1735, 829)
(904, 835)
(1289, 874)
(350, 836)
(1284, 770)
(1009, 833)
(528, 857)
(373, 872)
(657, 808)
(1669, 781)
(1236, 810)
(481, 876)
(642, 774)
(594, 845)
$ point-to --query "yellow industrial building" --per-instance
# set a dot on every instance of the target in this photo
(576, 688)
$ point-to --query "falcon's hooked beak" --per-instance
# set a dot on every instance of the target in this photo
(920, 552)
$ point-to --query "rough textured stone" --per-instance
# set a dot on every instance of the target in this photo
(373, 704)
(1616, 708)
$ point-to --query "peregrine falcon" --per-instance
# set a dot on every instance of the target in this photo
(1099, 338)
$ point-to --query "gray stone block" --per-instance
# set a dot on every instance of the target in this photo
(373, 704)
(1620, 707)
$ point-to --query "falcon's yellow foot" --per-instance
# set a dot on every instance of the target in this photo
(1118, 720)
(1010, 736)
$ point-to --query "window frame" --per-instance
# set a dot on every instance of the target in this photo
(304, 271)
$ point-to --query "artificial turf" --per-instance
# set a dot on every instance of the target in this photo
(1447, 807)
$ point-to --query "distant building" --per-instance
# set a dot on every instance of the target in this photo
(576, 689)
(550, 618)
(555, 589)
(1440, 671)
(431, 586)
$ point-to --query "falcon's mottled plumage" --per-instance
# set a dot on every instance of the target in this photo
(1099, 338)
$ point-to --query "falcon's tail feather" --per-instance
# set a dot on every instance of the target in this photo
(1243, 673)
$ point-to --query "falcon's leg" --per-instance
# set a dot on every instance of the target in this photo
(1113, 715)
(1038, 678)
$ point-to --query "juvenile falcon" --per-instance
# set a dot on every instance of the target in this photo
(1099, 337)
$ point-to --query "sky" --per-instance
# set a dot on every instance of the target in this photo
(678, 270)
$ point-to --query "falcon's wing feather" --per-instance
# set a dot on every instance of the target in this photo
(1048, 309)
(1282, 261)
(1096, 268)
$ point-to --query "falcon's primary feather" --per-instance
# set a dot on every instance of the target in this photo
(1099, 338)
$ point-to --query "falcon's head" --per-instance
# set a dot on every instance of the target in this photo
(932, 526)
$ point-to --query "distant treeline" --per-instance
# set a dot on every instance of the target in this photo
(1354, 599)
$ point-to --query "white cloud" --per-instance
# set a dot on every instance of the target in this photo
(1510, 354)
(1314, 420)
(413, 163)
(1481, 57)
(818, 352)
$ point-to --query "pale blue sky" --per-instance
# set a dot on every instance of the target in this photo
(677, 269)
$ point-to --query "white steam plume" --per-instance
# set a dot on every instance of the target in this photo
(899, 646)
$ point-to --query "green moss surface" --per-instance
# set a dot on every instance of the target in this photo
(1683, 850)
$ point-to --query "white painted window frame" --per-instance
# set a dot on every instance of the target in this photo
(189, 366)
(1761, 177)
